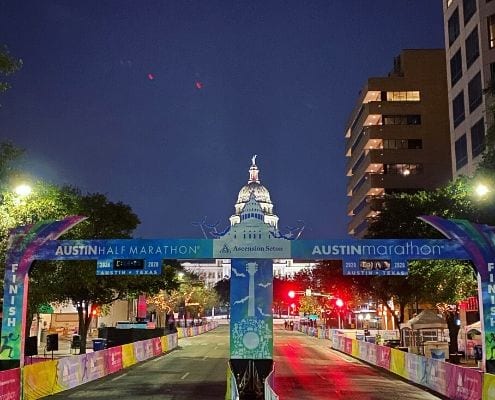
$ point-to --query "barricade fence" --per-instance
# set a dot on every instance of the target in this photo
(453, 381)
(54, 376)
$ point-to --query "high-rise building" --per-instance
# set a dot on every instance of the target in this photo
(470, 56)
(397, 138)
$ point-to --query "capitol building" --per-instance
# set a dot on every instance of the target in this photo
(212, 272)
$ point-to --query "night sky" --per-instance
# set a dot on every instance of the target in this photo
(162, 104)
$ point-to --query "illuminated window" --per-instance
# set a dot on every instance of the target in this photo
(403, 169)
(402, 120)
(449, 3)
(403, 96)
(491, 31)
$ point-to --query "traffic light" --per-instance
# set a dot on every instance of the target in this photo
(95, 310)
(339, 303)
(292, 294)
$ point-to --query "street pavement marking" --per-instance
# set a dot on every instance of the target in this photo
(118, 377)
(184, 376)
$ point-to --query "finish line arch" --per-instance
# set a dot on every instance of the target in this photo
(252, 270)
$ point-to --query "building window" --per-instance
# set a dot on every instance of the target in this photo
(453, 26)
(403, 169)
(468, 9)
(402, 144)
(491, 31)
(472, 47)
(478, 138)
(403, 96)
(402, 120)
(461, 152)
(458, 109)
(475, 92)
(455, 68)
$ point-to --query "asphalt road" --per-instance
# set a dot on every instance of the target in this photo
(305, 368)
(196, 370)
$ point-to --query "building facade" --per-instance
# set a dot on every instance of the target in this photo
(397, 138)
(470, 57)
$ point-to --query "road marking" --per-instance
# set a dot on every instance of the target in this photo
(184, 376)
(118, 377)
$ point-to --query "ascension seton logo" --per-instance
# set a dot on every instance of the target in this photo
(225, 249)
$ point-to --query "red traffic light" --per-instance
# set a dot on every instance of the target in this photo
(339, 302)
(292, 294)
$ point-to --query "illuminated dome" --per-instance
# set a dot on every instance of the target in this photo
(261, 195)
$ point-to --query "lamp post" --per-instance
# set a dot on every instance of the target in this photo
(23, 190)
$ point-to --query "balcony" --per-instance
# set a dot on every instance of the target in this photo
(376, 184)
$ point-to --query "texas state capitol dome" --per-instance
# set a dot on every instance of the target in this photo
(215, 271)
(261, 194)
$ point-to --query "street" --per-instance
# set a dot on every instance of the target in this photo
(305, 368)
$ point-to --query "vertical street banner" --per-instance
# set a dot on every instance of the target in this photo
(251, 295)
(479, 243)
(23, 245)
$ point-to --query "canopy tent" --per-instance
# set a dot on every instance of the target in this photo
(426, 330)
(427, 319)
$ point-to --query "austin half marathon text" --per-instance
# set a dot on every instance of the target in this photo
(165, 250)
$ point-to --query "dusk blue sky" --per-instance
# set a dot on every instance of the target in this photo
(278, 79)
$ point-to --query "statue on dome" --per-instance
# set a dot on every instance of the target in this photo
(253, 159)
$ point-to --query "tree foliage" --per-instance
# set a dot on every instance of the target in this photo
(190, 296)
(8, 65)
(438, 283)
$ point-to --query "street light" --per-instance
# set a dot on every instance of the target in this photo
(23, 190)
(482, 190)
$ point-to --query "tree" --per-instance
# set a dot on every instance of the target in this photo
(9, 156)
(434, 282)
(8, 65)
(222, 288)
(190, 295)
(309, 305)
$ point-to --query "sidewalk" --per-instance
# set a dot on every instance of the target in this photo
(64, 350)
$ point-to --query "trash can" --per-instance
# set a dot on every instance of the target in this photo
(52, 342)
(98, 344)
(438, 354)
(478, 352)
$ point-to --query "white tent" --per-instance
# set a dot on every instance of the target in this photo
(427, 319)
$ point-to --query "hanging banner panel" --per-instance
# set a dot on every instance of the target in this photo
(136, 249)
(251, 295)
(377, 256)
